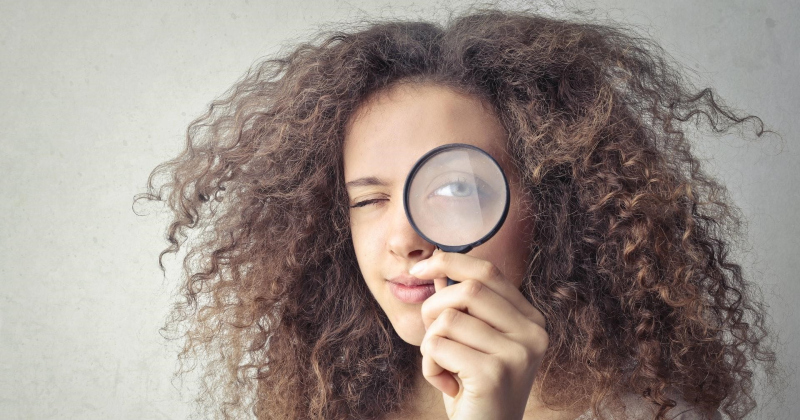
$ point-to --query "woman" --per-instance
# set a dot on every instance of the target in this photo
(607, 293)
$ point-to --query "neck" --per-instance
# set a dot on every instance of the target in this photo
(427, 401)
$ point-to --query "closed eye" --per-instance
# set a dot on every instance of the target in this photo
(366, 202)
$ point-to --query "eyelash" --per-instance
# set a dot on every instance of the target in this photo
(366, 203)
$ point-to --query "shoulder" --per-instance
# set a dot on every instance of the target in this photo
(635, 407)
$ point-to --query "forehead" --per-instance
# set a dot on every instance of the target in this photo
(393, 129)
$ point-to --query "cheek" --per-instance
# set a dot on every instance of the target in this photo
(357, 236)
(366, 243)
(509, 248)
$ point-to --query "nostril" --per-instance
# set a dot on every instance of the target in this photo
(415, 253)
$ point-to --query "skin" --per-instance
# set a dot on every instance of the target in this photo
(481, 341)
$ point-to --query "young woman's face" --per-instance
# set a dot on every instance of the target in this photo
(384, 139)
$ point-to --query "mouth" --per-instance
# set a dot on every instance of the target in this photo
(409, 289)
(410, 281)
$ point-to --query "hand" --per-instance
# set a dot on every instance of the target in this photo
(484, 341)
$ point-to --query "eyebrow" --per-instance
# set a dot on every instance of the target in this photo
(366, 182)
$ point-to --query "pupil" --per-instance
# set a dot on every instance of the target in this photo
(460, 189)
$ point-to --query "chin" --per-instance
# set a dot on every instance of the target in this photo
(409, 327)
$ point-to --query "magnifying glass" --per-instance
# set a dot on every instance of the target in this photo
(456, 197)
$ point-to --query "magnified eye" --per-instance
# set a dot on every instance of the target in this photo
(456, 195)
(463, 188)
(459, 188)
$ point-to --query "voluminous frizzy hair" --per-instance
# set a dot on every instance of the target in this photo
(630, 261)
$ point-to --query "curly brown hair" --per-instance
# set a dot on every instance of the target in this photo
(630, 262)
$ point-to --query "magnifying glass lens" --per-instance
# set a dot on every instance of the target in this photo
(457, 196)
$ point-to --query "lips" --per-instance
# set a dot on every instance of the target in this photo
(409, 289)
(409, 280)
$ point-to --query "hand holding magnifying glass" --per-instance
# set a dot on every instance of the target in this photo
(456, 197)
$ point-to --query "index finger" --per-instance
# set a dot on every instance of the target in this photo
(461, 267)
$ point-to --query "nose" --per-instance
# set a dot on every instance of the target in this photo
(403, 241)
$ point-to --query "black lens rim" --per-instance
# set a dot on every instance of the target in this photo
(427, 156)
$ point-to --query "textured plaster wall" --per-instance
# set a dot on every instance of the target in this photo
(95, 94)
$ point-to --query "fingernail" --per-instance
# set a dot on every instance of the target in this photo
(418, 267)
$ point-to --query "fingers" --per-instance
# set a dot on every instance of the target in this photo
(463, 268)
(481, 333)
(469, 331)
(437, 376)
(444, 360)
(457, 343)
(476, 299)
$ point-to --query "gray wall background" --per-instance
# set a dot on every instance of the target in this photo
(95, 94)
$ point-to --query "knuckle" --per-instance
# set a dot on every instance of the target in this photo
(430, 345)
(522, 355)
(495, 370)
(489, 270)
(541, 340)
(472, 288)
(426, 308)
(448, 317)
